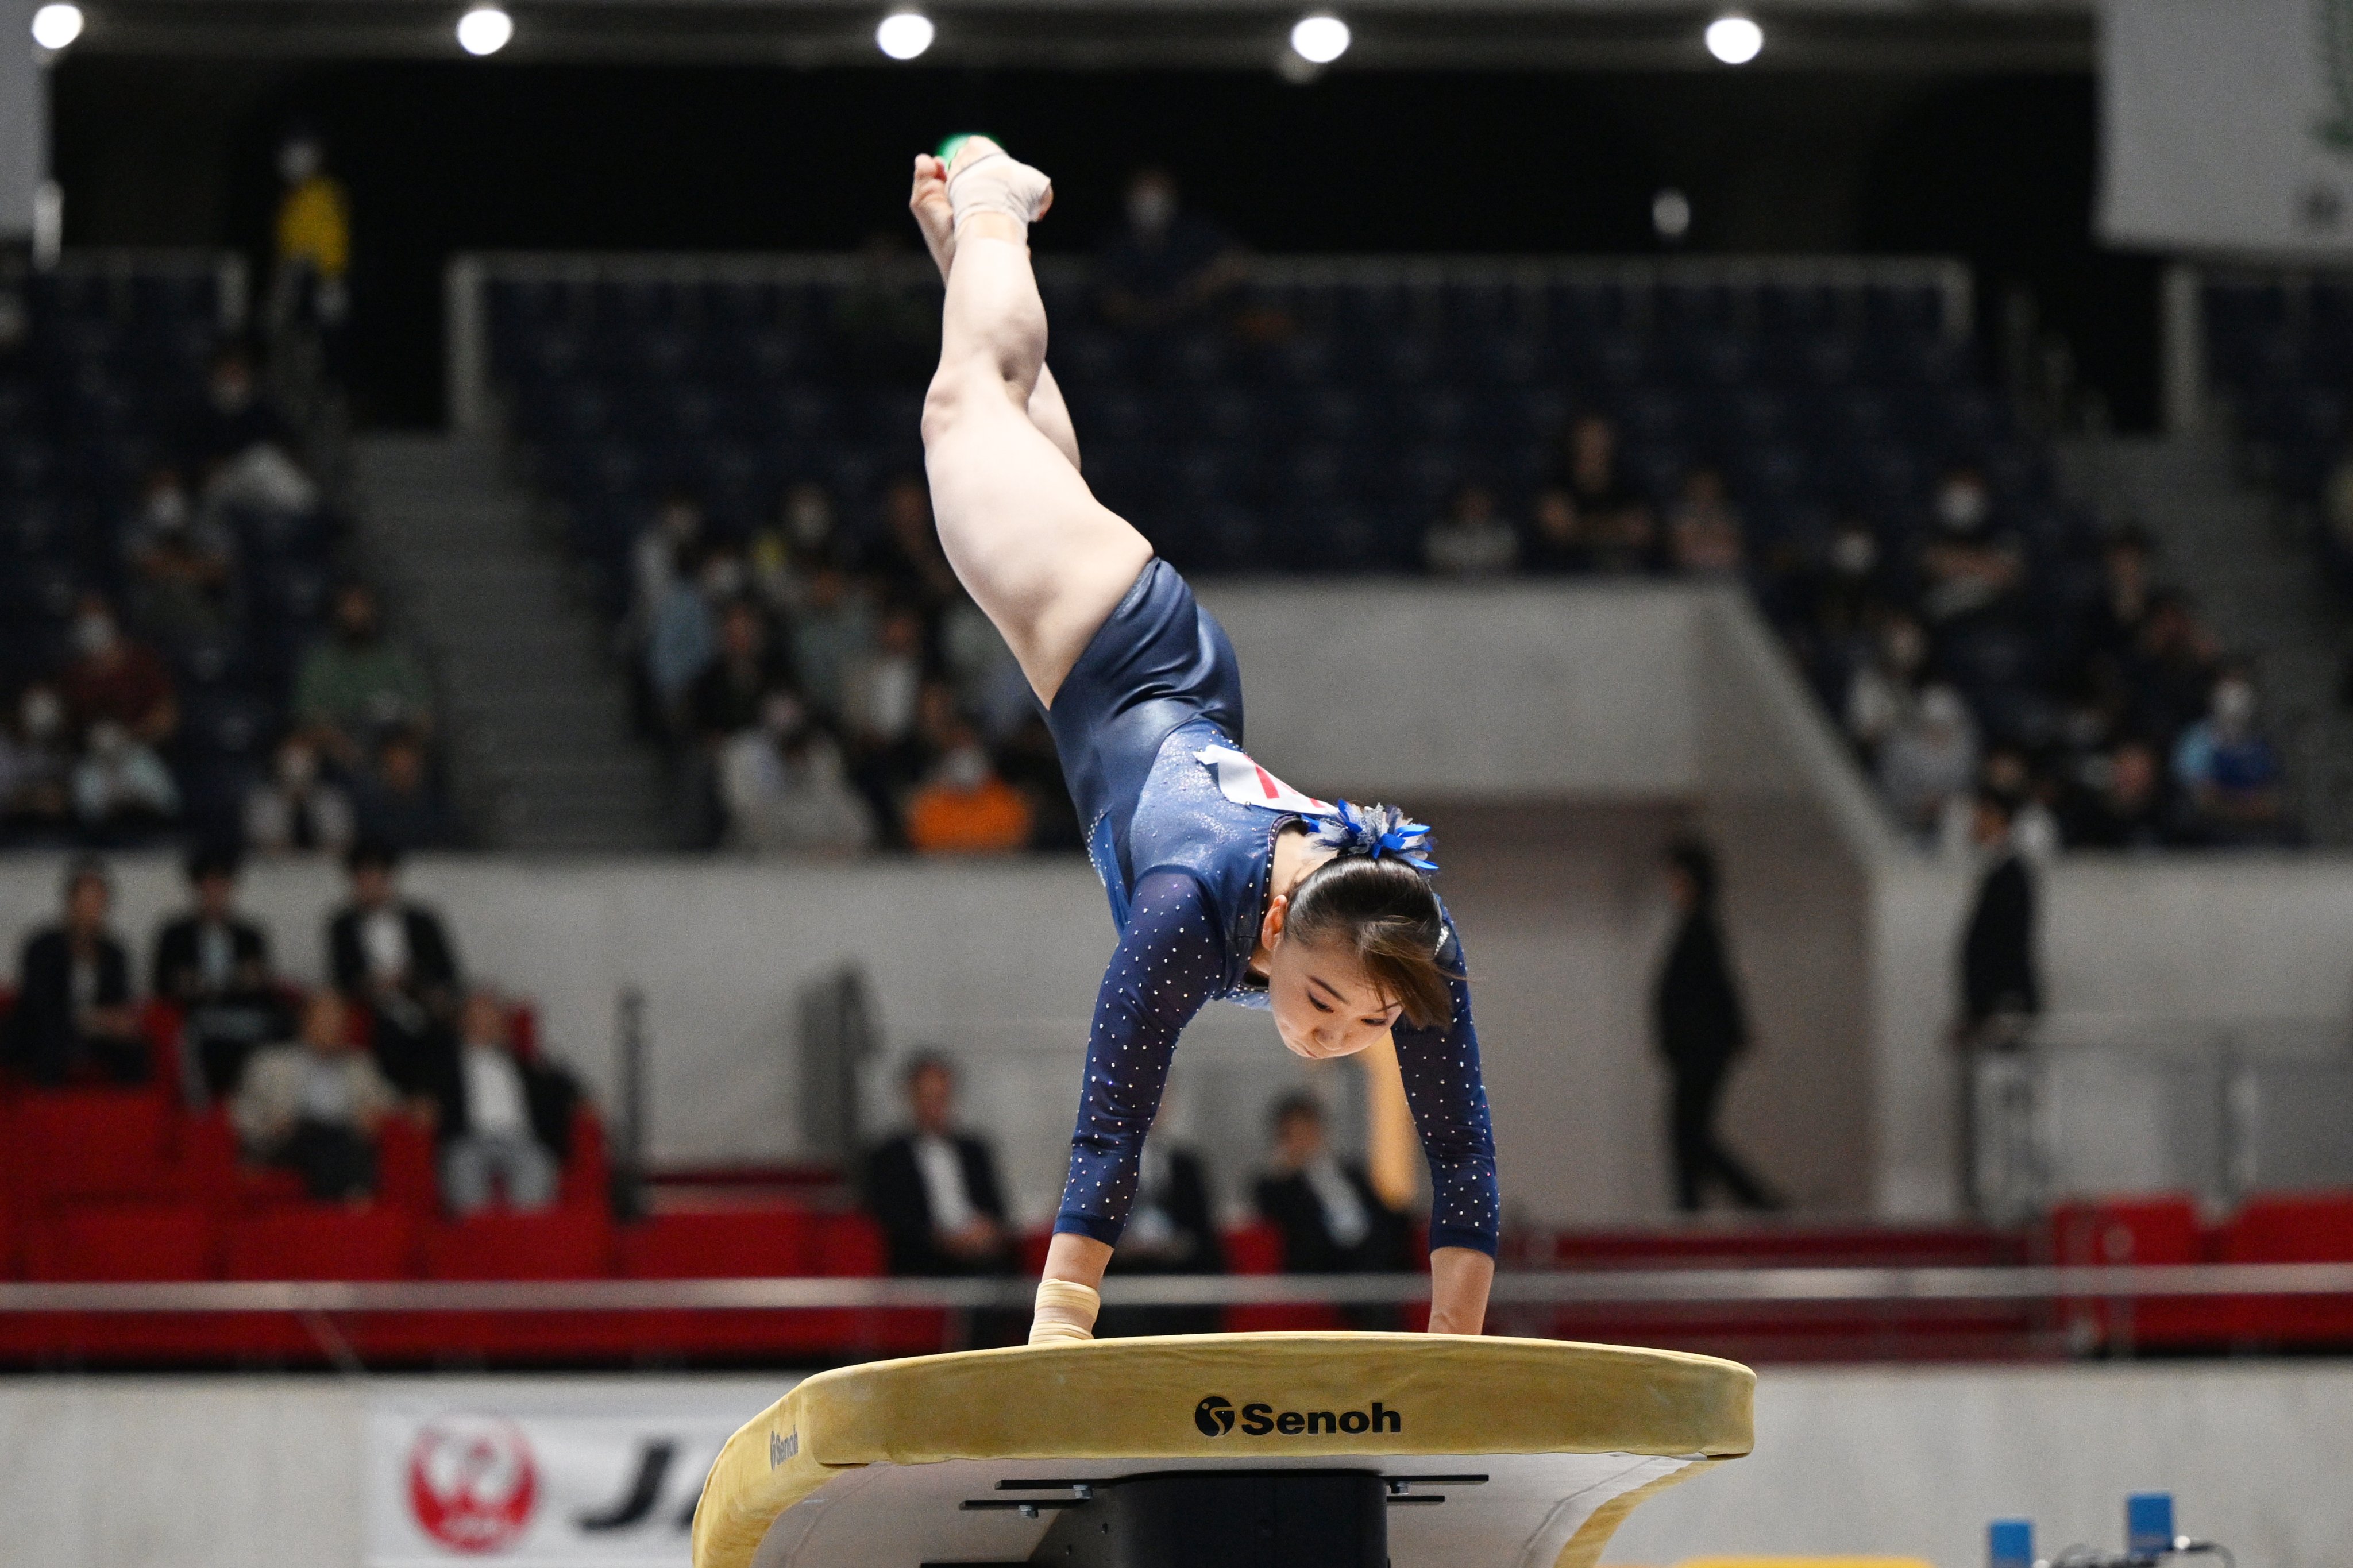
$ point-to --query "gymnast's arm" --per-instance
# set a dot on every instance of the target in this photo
(1449, 1100)
(1167, 962)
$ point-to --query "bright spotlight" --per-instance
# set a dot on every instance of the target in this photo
(484, 31)
(1320, 39)
(904, 35)
(56, 26)
(1671, 214)
(1735, 40)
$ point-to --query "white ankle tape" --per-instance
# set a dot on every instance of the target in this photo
(1066, 1310)
(994, 183)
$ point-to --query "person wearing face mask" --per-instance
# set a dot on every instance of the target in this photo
(35, 766)
(963, 808)
(785, 557)
(1163, 265)
(782, 788)
(1881, 695)
(309, 283)
(113, 679)
(295, 811)
(1971, 568)
(122, 792)
(683, 639)
(1930, 760)
(183, 589)
(357, 683)
(2229, 773)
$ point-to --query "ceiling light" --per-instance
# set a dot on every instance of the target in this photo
(56, 26)
(904, 35)
(484, 31)
(1320, 39)
(1735, 40)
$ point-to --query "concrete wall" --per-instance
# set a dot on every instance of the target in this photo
(24, 121)
(265, 1472)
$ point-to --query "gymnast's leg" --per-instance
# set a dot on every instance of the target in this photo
(1044, 559)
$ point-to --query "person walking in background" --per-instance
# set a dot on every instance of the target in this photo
(2001, 990)
(1702, 1029)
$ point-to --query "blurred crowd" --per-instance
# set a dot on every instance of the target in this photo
(308, 1077)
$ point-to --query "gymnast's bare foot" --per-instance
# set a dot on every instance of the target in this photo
(933, 216)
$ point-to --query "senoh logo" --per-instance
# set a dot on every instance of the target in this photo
(472, 1483)
(1214, 1418)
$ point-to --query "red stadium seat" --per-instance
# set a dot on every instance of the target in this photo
(721, 1244)
(2292, 1228)
(322, 1241)
(588, 1167)
(2118, 1232)
(1258, 1250)
(124, 1240)
(406, 1168)
(92, 1142)
(552, 1243)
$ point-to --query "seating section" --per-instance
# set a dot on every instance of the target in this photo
(2269, 1228)
(99, 398)
(2279, 361)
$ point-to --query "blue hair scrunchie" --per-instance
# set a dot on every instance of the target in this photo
(1376, 831)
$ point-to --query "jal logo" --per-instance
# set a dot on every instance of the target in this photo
(473, 1483)
(1215, 1415)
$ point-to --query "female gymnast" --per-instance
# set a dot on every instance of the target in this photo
(1224, 882)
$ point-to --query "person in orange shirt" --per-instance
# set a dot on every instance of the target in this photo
(964, 808)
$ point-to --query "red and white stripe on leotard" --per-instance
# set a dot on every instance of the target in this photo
(1244, 782)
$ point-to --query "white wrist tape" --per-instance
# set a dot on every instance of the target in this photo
(1066, 1310)
(994, 183)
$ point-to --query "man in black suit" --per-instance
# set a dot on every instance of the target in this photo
(1332, 1219)
(216, 965)
(1701, 1029)
(2000, 988)
(76, 1020)
(394, 958)
(934, 1190)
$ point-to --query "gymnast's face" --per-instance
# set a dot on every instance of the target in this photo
(1325, 1005)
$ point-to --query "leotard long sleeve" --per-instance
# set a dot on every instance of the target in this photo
(1170, 963)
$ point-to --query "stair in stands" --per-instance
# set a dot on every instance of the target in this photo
(540, 748)
(2260, 589)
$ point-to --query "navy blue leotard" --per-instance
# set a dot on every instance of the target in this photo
(1181, 828)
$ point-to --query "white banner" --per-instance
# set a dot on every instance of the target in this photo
(2228, 124)
(546, 1476)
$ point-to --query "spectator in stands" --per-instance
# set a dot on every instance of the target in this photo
(358, 682)
(397, 805)
(1029, 762)
(933, 1189)
(2126, 806)
(726, 698)
(2172, 668)
(908, 557)
(242, 448)
(1969, 567)
(2126, 592)
(122, 792)
(783, 788)
(1883, 694)
(1589, 501)
(76, 1018)
(986, 678)
(2229, 773)
(296, 811)
(1332, 1219)
(1701, 1029)
(2001, 988)
(833, 633)
(1163, 264)
(1703, 532)
(213, 965)
(667, 549)
(489, 1142)
(1844, 597)
(2010, 773)
(1930, 760)
(36, 769)
(394, 958)
(183, 589)
(1472, 540)
(882, 691)
(685, 633)
(114, 679)
(314, 1107)
(309, 290)
(783, 558)
(964, 807)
